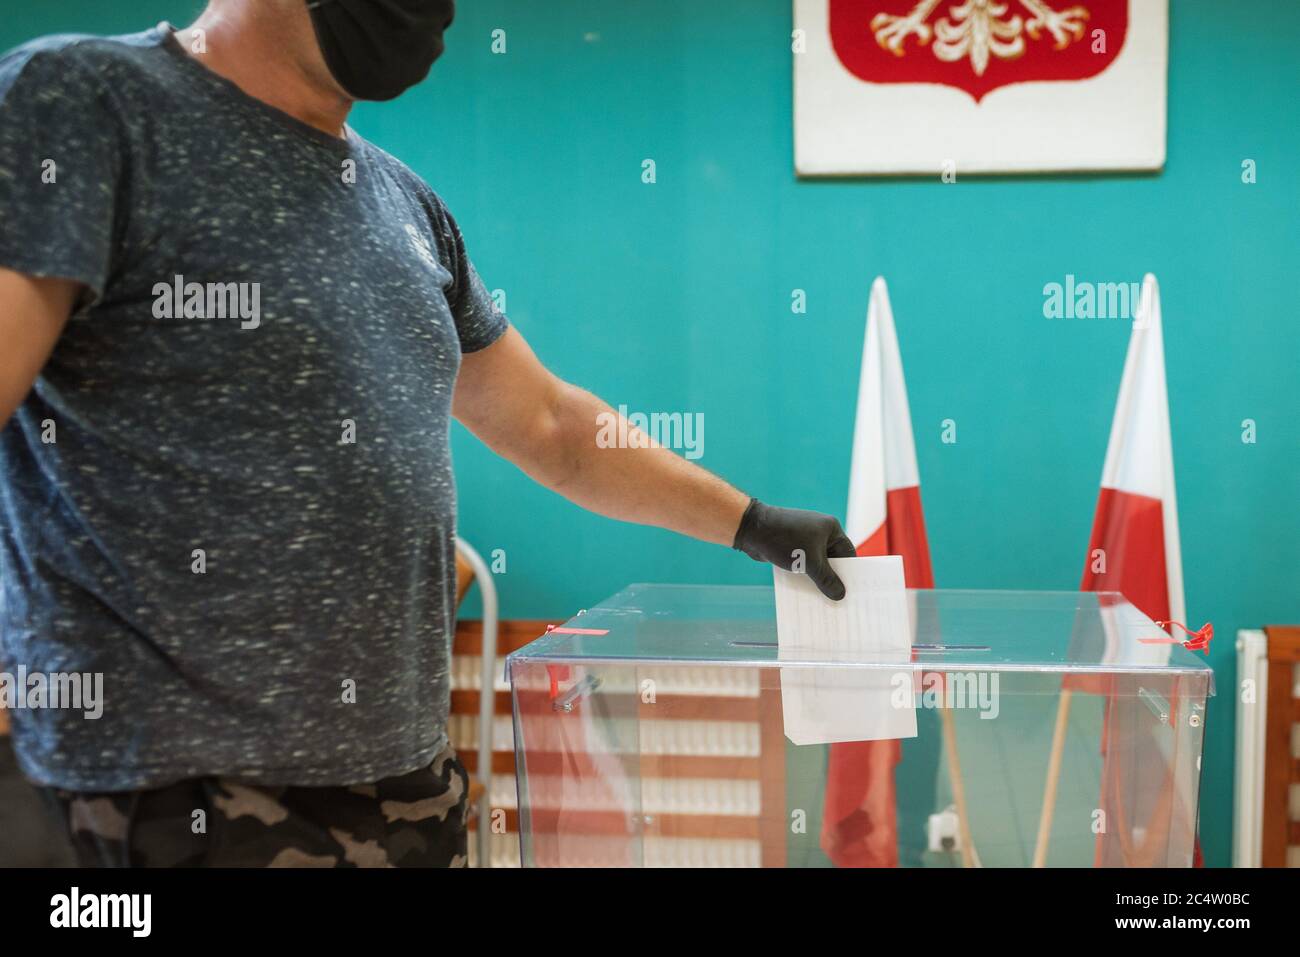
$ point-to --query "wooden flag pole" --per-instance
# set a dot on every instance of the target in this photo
(969, 857)
(1053, 779)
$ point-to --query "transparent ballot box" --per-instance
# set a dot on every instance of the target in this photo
(667, 727)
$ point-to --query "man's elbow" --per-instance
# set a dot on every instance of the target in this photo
(562, 435)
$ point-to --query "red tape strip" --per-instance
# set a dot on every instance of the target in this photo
(1198, 640)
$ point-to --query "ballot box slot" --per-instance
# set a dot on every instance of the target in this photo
(922, 649)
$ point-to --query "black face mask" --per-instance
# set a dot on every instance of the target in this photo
(376, 49)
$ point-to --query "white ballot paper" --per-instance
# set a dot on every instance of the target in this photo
(832, 697)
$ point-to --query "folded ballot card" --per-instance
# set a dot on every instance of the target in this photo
(841, 684)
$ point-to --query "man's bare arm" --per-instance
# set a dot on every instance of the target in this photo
(549, 428)
(33, 312)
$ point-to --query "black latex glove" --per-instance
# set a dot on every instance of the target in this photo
(772, 535)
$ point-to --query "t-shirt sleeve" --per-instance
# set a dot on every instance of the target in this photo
(478, 321)
(60, 169)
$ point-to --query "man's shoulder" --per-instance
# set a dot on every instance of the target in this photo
(406, 177)
(71, 57)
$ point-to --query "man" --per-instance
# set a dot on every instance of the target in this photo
(232, 334)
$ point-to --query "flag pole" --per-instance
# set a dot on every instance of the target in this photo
(969, 857)
(1053, 778)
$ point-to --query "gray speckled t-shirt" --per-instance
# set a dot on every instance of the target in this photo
(230, 491)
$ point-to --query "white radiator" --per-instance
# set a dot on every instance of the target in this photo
(1248, 783)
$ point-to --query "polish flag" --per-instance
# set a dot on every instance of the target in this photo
(860, 826)
(1134, 549)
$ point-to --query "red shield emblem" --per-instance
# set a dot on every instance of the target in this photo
(976, 45)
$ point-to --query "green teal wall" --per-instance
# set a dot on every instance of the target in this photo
(676, 296)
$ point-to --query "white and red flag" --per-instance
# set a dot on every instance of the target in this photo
(1134, 549)
(860, 825)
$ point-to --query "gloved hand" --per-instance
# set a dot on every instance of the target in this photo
(775, 535)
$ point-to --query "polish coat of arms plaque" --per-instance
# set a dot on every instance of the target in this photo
(979, 86)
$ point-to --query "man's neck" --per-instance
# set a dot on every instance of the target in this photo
(236, 45)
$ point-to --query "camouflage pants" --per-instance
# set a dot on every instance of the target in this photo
(413, 820)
